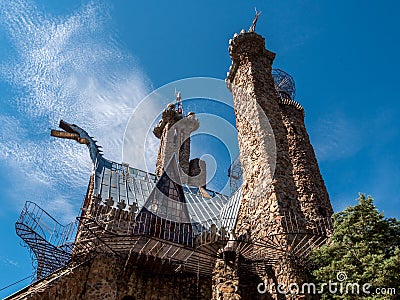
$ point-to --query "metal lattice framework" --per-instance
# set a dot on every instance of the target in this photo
(284, 84)
(50, 242)
(161, 246)
(235, 175)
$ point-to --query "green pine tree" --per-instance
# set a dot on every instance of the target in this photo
(365, 246)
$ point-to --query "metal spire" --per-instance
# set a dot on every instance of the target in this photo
(178, 100)
(253, 26)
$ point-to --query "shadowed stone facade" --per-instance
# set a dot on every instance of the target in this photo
(312, 193)
(106, 277)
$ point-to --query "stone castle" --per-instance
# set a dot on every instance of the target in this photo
(165, 235)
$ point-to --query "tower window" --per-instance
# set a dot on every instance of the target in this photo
(175, 137)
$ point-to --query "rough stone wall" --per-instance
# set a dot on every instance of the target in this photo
(312, 193)
(86, 213)
(116, 220)
(267, 192)
(106, 278)
(184, 154)
(162, 152)
(225, 282)
(92, 236)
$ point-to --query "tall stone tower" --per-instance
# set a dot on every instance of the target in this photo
(281, 177)
(296, 183)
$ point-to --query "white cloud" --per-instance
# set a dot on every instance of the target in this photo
(67, 68)
(62, 203)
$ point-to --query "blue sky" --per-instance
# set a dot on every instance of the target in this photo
(91, 62)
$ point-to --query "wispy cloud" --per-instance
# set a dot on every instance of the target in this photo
(68, 68)
(335, 137)
(8, 261)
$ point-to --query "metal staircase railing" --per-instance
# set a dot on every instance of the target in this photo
(50, 241)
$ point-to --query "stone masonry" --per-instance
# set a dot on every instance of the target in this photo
(105, 277)
(312, 194)
(276, 180)
(174, 131)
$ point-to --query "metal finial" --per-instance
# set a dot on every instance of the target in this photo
(178, 101)
(178, 95)
(253, 26)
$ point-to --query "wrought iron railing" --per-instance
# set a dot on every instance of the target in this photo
(184, 248)
(50, 241)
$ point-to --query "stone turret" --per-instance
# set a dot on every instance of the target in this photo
(174, 131)
(296, 178)
(269, 187)
(280, 172)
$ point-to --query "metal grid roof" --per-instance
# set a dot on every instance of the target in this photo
(124, 187)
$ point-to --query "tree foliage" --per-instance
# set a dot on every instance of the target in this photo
(365, 246)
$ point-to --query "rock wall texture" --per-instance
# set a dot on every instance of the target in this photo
(268, 187)
(225, 281)
(280, 171)
(107, 278)
(312, 193)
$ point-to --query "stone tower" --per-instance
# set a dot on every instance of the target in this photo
(174, 131)
(296, 183)
(280, 171)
